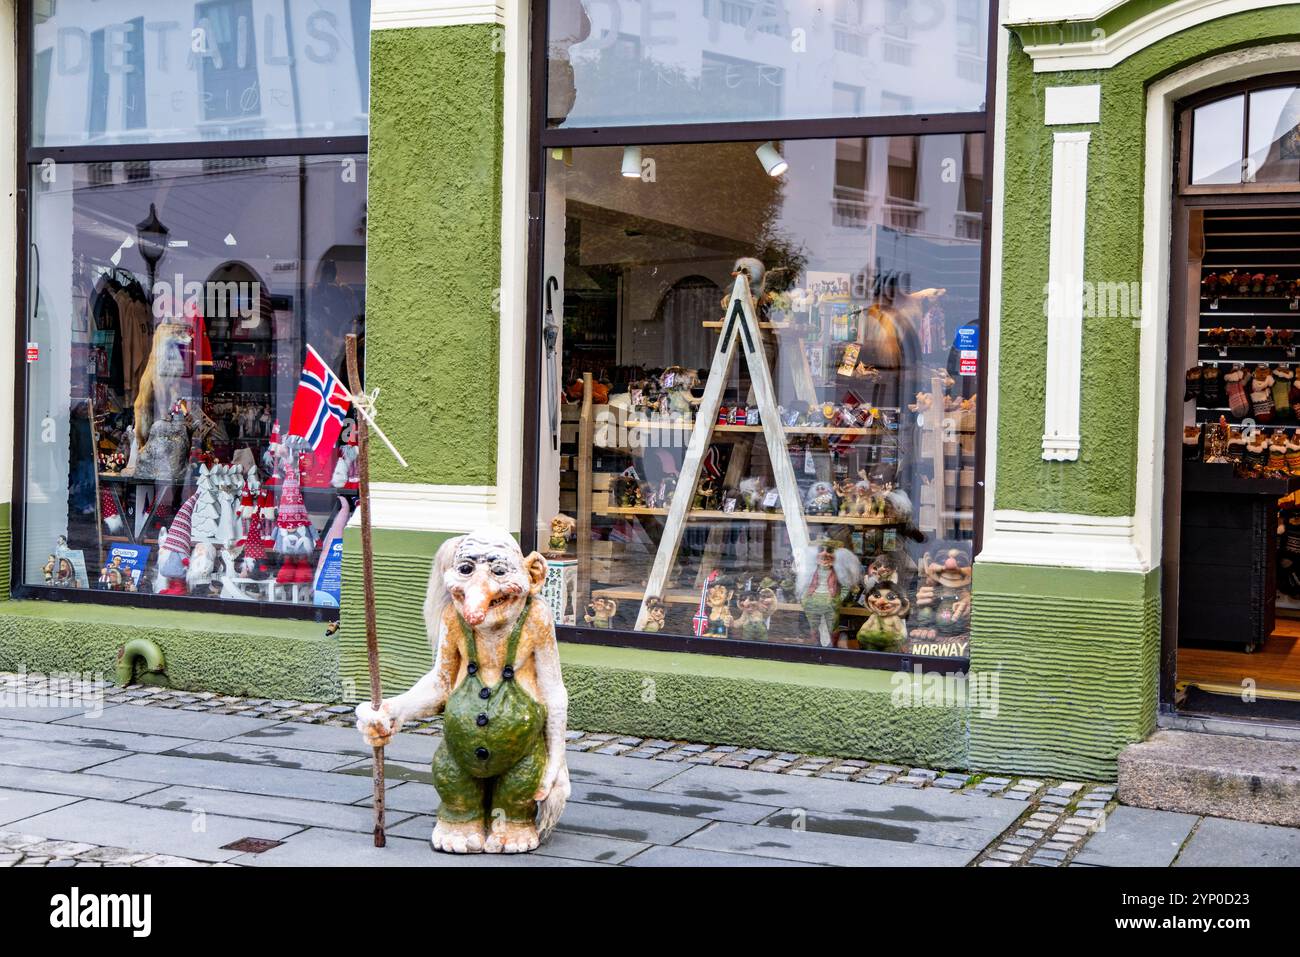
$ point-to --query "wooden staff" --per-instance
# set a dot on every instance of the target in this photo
(368, 580)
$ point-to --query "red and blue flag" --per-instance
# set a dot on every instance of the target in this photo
(320, 405)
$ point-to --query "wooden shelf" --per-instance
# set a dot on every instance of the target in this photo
(681, 597)
(764, 326)
(700, 514)
(788, 429)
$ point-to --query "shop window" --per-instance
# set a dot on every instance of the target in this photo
(752, 60)
(176, 289)
(133, 71)
(833, 498)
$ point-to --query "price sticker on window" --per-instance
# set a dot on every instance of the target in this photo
(33, 351)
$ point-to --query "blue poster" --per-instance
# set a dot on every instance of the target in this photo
(126, 563)
(329, 583)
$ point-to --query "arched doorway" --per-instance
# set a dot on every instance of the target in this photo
(1232, 495)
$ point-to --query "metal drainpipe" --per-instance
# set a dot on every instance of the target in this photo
(152, 656)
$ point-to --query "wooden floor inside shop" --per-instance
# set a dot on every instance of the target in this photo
(1275, 667)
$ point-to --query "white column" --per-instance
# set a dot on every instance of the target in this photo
(1065, 296)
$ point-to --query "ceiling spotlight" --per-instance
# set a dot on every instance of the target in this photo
(772, 161)
(632, 162)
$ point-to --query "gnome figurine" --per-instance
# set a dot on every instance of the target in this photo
(295, 536)
(174, 550)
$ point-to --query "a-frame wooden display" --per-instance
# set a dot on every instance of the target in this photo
(740, 326)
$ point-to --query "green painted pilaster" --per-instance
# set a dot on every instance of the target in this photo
(433, 257)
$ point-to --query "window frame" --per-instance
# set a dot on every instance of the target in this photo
(26, 158)
(1185, 122)
(541, 139)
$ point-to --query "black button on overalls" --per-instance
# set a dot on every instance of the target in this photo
(471, 668)
(485, 693)
(481, 720)
(482, 754)
(507, 673)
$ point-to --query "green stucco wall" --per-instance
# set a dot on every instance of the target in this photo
(433, 250)
(1077, 658)
(1102, 481)
(229, 654)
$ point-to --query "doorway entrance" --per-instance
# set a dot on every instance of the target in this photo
(1232, 530)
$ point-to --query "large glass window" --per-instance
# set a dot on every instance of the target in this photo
(176, 290)
(635, 62)
(805, 474)
(134, 71)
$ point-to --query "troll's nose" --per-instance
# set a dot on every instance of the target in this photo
(478, 598)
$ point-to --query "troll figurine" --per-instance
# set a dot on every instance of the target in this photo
(500, 772)
(886, 626)
(826, 575)
(756, 602)
(718, 598)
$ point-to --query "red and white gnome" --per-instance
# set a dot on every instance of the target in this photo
(295, 536)
(174, 550)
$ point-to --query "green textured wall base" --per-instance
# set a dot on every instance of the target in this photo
(1077, 658)
(402, 562)
(228, 654)
(814, 709)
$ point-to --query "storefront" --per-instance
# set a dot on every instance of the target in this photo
(922, 499)
(191, 224)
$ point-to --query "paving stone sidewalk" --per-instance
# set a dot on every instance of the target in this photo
(93, 775)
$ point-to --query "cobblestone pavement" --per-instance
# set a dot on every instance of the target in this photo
(82, 741)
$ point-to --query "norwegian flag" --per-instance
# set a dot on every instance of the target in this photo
(700, 620)
(320, 404)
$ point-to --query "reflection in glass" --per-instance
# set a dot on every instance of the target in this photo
(171, 305)
(1275, 136)
(865, 262)
(632, 62)
(138, 71)
(1216, 142)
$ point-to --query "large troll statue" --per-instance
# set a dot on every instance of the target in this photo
(500, 771)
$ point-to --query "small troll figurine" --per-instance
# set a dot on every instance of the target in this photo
(500, 772)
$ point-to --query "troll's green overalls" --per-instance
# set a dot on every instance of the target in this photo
(494, 747)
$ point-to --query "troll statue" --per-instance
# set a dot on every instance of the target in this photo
(500, 771)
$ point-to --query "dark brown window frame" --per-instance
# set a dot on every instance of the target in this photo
(26, 158)
(541, 138)
(1184, 125)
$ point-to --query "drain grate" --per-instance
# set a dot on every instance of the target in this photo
(251, 845)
